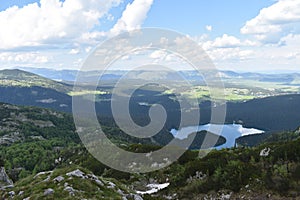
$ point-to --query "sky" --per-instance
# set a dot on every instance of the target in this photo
(248, 35)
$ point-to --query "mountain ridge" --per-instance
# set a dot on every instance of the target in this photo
(20, 78)
(70, 75)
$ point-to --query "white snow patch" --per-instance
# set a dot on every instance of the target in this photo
(153, 188)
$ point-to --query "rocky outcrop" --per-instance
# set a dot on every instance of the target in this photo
(76, 173)
(11, 138)
(59, 179)
(73, 184)
(48, 191)
(5, 181)
(265, 152)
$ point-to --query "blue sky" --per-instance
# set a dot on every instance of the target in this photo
(248, 35)
(192, 16)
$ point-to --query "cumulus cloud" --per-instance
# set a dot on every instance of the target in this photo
(52, 32)
(260, 57)
(227, 41)
(229, 54)
(50, 21)
(92, 37)
(30, 57)
(275, 21)
(133, 16)
(158, 54)
(277, 24)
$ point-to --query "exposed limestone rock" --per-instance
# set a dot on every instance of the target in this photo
(95, 178)
(265, 152)
(111, 185)
(137, 197)
(59, 179)
(10, 138)
(44, 173)
(48, 191)
(12, 193)
(76, 173)
(5, 181)
(70, 190)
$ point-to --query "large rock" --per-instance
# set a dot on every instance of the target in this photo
(137, 197)
(96, 179)
(48, 191)
(59, 179)
(76, 173)
(70, 190)
(4, 179)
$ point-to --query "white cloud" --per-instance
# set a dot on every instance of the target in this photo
(127, 57)
(41, 59)
(88, 49)
(208, 27)
(258, 58)
(158, 54)
(275, 45)
(275, 21)
(92, 37)
(110, 17)
(227, 41)
(78, 62)
(74, 51)
(164, 41)
(133, 16)
(50, 22)
(18, 57)
(55, 33)
(222, 54)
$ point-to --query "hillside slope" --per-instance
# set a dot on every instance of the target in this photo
(24, 88)
(35, 140)
(19, 78)
(71, 183)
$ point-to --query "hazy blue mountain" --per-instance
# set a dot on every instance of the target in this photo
(70, 75)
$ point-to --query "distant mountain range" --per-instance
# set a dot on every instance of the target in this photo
(274, 113)
(70, 75)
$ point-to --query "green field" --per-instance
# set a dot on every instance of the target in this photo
(241, 90)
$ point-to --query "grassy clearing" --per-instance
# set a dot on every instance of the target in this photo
(86, 92)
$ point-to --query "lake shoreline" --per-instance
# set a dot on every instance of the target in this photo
(229, 131)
